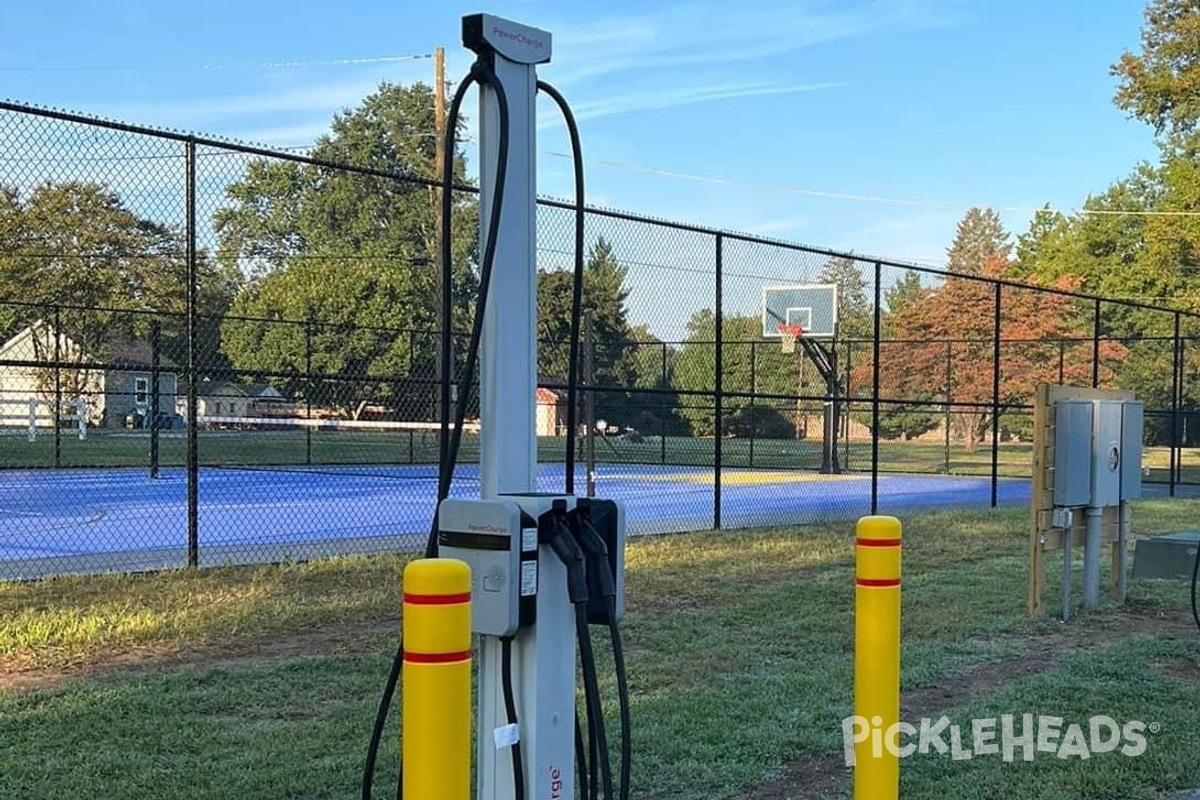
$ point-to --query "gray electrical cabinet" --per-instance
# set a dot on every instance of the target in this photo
(1073, 453)
(1106, 453)
(1132, 428)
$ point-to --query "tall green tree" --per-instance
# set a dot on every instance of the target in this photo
(77, 244)
(901, 295)
(980, 236)
(1161, 85)
(856, 319)
(750, 367)
(918, 412)
(617, 357)
(354, 254)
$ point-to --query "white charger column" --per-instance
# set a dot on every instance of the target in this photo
(543, 654)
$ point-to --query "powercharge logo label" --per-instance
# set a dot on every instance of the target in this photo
(519, 38)
(556, 784)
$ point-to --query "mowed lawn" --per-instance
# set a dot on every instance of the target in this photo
(261, 682)
(295, 446)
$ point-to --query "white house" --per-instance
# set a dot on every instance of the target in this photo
(115, 380)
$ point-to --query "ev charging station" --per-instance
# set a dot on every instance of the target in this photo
(533, 555)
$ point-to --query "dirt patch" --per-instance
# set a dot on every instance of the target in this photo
(805, 777)
(1181, 668)
(811, 776)
(323, 641)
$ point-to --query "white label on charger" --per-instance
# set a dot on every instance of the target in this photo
(506, 736)
(528, 540)
(528, 578)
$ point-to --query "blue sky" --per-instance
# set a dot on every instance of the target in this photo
(944, 103)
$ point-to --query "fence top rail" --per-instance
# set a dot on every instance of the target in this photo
(719, 235)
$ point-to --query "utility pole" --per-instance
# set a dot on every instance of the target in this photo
(439, 161)
(439, 109)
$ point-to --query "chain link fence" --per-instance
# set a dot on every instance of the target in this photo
(212, 353)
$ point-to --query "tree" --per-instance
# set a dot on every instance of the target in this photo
(1161, 85)
(77, 248)
(955, 322)
(856, 319)
(356, 255)
(980, 236)
(916, 415)
(618, 356)
(901, 296)
(1043, 229)
(750, 368)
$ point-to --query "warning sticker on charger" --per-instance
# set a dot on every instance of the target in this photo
(506, 736)
(528, 578)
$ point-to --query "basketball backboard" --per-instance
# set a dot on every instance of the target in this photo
(813, 306)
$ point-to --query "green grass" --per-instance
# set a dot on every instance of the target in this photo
(260, 682)
(105, 448)
(295, 448)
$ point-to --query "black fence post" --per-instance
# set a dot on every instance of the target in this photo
(847, 413)
(949, 400)
(57, 387)
(155, 377)
(1096, 344)
(753, 391)
(1175, 461)
(1062, 361)
(875, 373)
(308, 389)
(663, 384)
(193, 457)
(996, 396)
(718, 395)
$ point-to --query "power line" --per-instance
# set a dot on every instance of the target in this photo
(333, 62)
(931, 204)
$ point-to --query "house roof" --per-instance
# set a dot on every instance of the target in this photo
(207, 386)
(118, 350)
(124, 352)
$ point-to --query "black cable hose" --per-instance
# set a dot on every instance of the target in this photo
(589, 782)
(449, 445)
(577, 284)
(593, 750)
(510, 709)
(591, 694)
(618, 649)
(583, 779)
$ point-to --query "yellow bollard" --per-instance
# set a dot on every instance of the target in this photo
(436, 681)
(877, 657)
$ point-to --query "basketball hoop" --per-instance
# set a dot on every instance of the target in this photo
(788, 334)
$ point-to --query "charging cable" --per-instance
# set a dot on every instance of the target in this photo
(451, 439)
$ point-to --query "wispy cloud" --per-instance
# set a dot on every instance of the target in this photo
(691, 95)
(769, 227)
(288, 105)
(702, 33)
(676, 52)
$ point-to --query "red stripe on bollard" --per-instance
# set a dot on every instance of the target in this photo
(437, 658)
(437, 599)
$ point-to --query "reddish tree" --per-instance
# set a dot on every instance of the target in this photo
(945, 348)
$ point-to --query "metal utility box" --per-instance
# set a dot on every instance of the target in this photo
(1073, 453)
(1132, 432)
(1106, 453)
(1165, 557)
